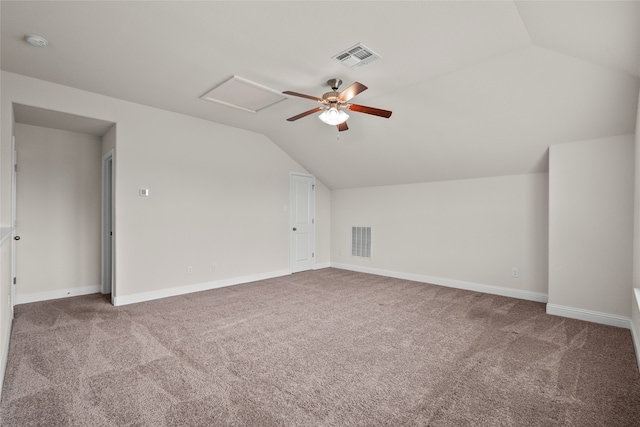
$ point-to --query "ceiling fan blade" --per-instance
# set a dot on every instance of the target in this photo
(351, 91)
(302, 95)
(305, 114)
(343, 126)
(370, 110)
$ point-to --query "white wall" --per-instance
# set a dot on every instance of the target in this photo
(635, 300)
(109, 140)
(472, 231)
(59, 215)
(323, 225)
(591, 186)
(216, 193)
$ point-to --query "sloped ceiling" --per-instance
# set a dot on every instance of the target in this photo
(477, 88)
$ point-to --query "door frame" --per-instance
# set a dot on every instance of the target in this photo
(14, 199)
(291, 218)
(108, 216)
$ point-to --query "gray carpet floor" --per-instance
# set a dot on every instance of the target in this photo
(322, 348)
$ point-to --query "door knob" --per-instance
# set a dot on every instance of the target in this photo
(294, 229)
(16, 238)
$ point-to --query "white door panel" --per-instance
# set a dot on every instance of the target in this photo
(302, 222)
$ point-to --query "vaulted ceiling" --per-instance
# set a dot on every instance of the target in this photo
(477, 88)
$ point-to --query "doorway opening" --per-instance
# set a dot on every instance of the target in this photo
(59, 204)
(107, 224)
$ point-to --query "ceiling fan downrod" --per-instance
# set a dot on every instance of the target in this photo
(334, 84)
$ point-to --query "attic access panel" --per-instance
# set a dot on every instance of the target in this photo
(243, 94)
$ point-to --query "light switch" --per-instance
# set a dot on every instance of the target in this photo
(144, 192)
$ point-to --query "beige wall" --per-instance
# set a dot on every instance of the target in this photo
(109, 140)
(472, 230)
(591, 225)
(323, 225)
(58, 210)
(216, 193)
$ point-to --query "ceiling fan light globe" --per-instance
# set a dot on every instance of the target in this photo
(333, 116)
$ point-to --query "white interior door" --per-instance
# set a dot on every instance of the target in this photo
(302, 246)
(14, 237)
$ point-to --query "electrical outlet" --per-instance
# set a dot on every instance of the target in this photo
(341, 252)
(189, 270)
(214, 267)
(515, 272)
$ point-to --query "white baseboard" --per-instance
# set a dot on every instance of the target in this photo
(450, 283)
(589, 316)
(199, 287)
(321, 265)
(61, 293)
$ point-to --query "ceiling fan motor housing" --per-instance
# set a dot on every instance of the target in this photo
(331, 98)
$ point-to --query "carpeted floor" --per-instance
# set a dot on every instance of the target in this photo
(321, 348)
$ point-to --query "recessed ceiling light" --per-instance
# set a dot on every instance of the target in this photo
(36, 41)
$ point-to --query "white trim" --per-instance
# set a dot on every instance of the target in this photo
(105, 234)
(61, 293)
(321, 265)
(589, 316)
(14, 221)
(636, 343)
(635, 301)
(450, 283)
(5, 353)
(198, 287)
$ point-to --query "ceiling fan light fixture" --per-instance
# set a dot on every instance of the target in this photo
(332, 116)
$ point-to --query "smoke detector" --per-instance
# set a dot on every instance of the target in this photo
(36, 41)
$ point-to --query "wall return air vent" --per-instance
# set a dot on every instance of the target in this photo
(361, 242)
(356, 56)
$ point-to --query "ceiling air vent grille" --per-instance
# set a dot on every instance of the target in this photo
(361, 242)
(356, 56)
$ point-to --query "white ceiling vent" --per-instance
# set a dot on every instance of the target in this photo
(356, 56)
(243, 94)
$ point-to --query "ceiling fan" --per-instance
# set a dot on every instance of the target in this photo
(334, 105)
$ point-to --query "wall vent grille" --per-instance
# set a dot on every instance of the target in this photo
(361, 242)
(356, 56)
